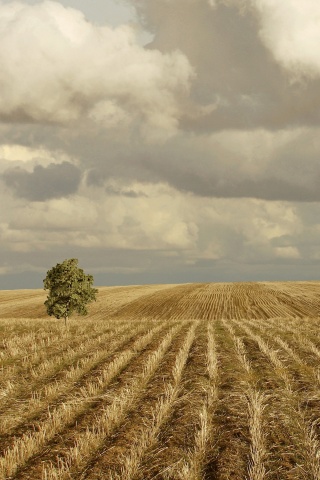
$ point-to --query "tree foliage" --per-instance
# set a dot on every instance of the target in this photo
(70, 290)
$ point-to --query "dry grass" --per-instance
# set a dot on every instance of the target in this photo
(166, 382)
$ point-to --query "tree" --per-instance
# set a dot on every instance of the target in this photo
(70, 290)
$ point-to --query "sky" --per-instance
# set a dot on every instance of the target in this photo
(160, 141)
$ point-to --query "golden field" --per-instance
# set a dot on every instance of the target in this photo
(194, 382)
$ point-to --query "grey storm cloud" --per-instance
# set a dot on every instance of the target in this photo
(123, 192)
(268, 188)
(239, 83)
(206, 168)
(43, 183)
(193, 157)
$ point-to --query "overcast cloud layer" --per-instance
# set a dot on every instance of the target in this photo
(194, 157)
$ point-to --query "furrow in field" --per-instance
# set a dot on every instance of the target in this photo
(185, 442)
(256, 403)
(280, 459)
(232, 434)
(90, 439)
(33, 355)
(166, 304)
(22, 303)
(228, 300)
(123, 454)
(295, 351)
(30, 303)
(19, 350)
(301, 358)
(304, 334)
(261, 303)
(51, 369)
(175, 438)
(237, 300)
(261, 300)
(111, 399)
(34, 362)
(64, 415)
(301, 336)
(110, 299)
(203, 452)
(287, 414)
(14, 346)
(14, 386)
(301, 301)
(29, 408)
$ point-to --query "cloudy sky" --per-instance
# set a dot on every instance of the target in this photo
(160, 141)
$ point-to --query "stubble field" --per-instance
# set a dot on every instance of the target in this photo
(168, 382)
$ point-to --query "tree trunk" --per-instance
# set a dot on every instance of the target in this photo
(66, 320)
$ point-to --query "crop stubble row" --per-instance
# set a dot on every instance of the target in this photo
(181, 399)
(178, 398)
(207, 301)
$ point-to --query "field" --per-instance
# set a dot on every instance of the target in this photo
(167, 382)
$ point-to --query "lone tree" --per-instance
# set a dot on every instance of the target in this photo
(69, 290)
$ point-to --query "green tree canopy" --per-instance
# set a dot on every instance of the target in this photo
(70, 290)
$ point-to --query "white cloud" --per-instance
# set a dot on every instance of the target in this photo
(109, 115)
(75, 94)
(287, 252)
(28, 157)
(162, 219)
(5, 270)
(155, 220)
(57, 67)
(273, 220)
(291, 30)
(20, 153)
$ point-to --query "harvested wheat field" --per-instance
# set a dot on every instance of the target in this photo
(194, 381)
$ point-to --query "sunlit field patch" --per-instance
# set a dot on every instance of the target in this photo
(194, 381)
